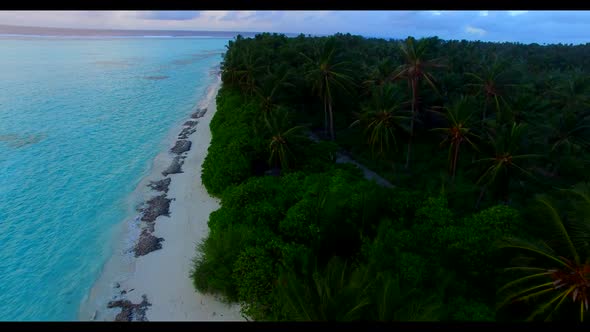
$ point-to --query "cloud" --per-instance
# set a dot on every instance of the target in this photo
(266, 16)
(517, 12)
(475, 31)
(512, 26)
(173, 15)
(230, 16)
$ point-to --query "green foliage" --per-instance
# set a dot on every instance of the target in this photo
(413, 268)
(236, 167)
(327, 75)
(554, 267)
(393, 300)
(272, 243)
(300, 223)
(233, 149)
(471, 242)
(296, 256)
(405, 202)
(458, 130)
(319, 157)
(505, 161)
(383, 119)
(337, 293)
(469, 310)
(382, 252)
(285, 142)
(216, 257)
(254, 274)
(431, 218)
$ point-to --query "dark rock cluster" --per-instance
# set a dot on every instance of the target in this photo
(156, 206)
(199, 113)
(175, 167)
(181, 146)
(151, 210)
(161, 185)
(186, 132)
(147, 243)
(130, 312)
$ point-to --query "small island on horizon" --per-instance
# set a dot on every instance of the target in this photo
(71, 32)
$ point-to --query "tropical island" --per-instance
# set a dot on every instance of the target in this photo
(399, 180)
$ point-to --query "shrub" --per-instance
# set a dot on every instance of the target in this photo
(300, 224)
(212, 269)
(469, 310)
(338, 292)
(233, 148)
(254, 274)
(430, 219)
(471, 242)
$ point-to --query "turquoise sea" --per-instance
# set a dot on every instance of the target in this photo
(80, 121)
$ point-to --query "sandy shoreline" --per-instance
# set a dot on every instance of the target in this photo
(163, 275)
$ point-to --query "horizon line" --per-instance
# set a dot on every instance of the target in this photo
(228, 33)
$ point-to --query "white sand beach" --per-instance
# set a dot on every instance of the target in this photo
(163, 275)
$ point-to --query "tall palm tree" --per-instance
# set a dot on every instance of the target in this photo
(337, 292)
(416, 69)
(524, 109)
(557, 268)
(283, 139)
(493, 82)
(268, 88)
(571, 93)
(327, 74)
(230, 65)
(397, 303)
(340, 292)
(383, 118)
(571, 133)
(379, 74)
(505, 162)
(458, 130)
(250, 67)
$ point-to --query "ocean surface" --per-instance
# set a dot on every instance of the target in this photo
(80, 122)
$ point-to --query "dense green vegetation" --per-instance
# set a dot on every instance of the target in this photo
(476, 139)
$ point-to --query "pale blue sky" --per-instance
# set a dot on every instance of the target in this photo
(515, 26)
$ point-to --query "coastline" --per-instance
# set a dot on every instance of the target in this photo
(151, 280)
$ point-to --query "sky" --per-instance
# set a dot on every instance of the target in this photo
(513, 26)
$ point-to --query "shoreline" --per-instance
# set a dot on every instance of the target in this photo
(148, 275)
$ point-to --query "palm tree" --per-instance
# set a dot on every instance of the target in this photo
(570, 133)
(341, 292)
(458, 130)
(493, 83)
(394, 302)
(267, 89)
(558, 267)
(250, 67)
(571, 93)
(337, 292)
(382, 119)
(326, 75)
(229, 65)
(524, 109)
(283, 140)
(566, 136)
(380, 74)
(414, 71)
(505, 162)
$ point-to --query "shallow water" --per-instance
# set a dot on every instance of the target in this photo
(80, 122)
